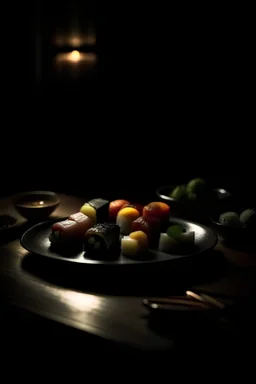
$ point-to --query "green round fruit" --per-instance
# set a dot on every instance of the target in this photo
(175, 231)
(230, 219)
(196, 185)
(178, 192)
(248, 218)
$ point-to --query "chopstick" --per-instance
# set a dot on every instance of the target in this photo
(206, 299)
(170, 301)
(191, 299)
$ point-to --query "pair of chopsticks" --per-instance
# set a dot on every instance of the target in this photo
(191, 301)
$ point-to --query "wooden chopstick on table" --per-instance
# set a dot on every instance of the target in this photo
(191, 299)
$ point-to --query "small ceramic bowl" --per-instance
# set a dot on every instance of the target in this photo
(198, 210)
(232, 235)
(7, 222)
(36, 205)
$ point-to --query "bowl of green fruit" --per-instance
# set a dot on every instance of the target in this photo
(235, 224)
(194, 200)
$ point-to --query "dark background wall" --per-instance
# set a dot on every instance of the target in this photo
(170, 99)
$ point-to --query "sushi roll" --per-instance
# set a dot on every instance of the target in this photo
(125, 218)
(102, 238)
(156, 211)
(134, 244)
(150, 228)
(115, 206)
(70, 230)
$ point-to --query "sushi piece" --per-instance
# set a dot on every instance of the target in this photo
(83, 223)
(101, 206)
(70, 230)
(179, 242)
(115, 206)
(167, 244)
(156, 211)
(139, 207)
(125, 218)
(150, 228)
(103, 237)
(89, 211)
(134, 244)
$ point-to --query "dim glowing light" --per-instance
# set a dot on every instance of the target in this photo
(75, 56)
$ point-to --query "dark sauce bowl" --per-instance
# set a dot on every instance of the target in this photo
(197, 210)
(7, 221)
(36, 205)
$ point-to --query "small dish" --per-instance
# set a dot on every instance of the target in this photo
(36, 205)
(193, 209)
(6, 222)
(229, 234)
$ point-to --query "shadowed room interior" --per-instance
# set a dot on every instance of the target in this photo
(113, 101)
(159, 96)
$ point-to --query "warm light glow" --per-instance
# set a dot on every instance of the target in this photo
(75, 56)
(75, 41)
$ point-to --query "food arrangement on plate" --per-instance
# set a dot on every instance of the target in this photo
(105, 227)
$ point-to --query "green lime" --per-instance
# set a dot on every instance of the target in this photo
(174, 231)
(178, 192)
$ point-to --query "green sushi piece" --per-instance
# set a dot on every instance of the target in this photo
(248, 218)
(174, 231)
(230, 219)
(178, 192)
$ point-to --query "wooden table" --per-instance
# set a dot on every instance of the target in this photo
(106, 306)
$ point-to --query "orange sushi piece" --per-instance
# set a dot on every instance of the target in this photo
(139, 207)
(125, 218)
(115, 206)
(156, 211)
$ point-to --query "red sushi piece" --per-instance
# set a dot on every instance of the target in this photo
(75, 226)
(156, 211)
(115, 206)
(141, 224)
(139, 207)
(150, 228)
(144, 225)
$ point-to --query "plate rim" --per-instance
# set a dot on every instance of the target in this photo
(73, 261)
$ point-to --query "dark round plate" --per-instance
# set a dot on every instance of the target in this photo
(36, 240)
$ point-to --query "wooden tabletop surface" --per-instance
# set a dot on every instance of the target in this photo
(108, 305)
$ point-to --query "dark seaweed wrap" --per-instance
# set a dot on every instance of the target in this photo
(101, 206)
(109, 233)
